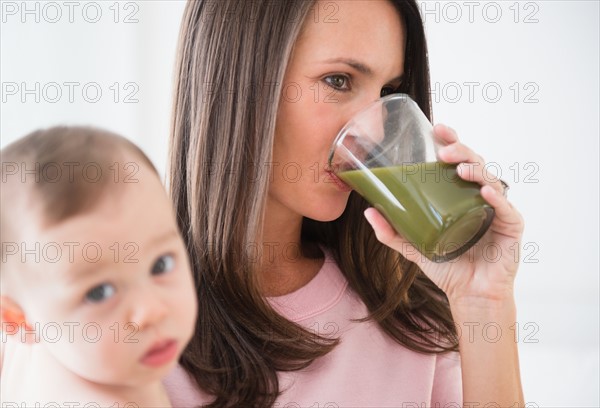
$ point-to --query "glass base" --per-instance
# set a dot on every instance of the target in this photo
(463, 234)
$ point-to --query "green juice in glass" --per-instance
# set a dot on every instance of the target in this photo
(441, 214)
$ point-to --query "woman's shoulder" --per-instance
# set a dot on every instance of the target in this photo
(365, 358)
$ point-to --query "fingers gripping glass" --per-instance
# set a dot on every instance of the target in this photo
(387, 154)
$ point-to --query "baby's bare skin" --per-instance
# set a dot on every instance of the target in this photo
(102, 332)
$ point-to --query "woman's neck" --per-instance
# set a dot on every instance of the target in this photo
(286, 263)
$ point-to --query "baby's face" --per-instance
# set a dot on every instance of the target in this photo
(118, 305)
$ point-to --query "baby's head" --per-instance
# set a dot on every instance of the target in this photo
(94, 268)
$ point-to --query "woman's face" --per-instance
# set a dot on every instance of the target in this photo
(348, 54)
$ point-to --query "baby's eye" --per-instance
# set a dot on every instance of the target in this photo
(100, 293)
(387, 90)
(338, 82)
(163, 264)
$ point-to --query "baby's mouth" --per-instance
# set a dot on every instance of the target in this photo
(161, 352)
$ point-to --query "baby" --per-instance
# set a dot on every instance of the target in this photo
(97, 298)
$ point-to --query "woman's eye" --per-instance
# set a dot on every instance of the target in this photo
(100, 293)
(338, 82)
(387, 90)
(163, 265)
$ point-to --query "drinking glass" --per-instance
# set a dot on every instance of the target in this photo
(387, 153)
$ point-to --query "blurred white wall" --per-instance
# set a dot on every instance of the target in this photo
(542, 135)
(518, 80)
(102, 63)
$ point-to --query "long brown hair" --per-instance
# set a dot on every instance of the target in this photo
(218, 134)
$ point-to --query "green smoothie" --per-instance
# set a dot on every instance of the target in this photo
(441, 214)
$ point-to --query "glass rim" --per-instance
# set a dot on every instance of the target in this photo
(380, 101)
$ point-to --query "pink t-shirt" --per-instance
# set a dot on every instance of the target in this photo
(367, 368)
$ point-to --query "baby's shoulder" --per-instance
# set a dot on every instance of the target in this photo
(31, 377)
(2, 340)
(15, 367)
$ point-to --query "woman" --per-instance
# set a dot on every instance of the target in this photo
(303, 299)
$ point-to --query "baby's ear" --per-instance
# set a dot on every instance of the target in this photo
(12, 317)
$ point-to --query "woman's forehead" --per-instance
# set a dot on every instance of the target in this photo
(365, 30)
(367, 17)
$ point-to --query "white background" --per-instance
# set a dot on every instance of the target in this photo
(519, 81)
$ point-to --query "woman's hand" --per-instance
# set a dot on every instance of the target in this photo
(487, 271)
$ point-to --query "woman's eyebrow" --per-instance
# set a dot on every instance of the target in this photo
(359, 66)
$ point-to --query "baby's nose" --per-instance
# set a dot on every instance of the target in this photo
(147, 309)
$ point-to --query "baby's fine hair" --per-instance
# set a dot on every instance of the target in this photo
(64, 171)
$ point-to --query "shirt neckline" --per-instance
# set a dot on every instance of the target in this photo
(320, 294)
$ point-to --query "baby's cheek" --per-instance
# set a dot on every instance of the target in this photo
(187, 313)
(111, 358)
(77, 355)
